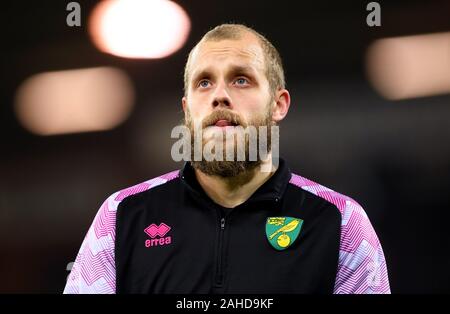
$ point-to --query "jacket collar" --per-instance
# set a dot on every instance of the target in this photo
(272, 190)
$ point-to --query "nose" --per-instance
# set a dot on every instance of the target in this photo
(221, 97)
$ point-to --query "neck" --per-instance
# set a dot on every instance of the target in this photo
(233, 191)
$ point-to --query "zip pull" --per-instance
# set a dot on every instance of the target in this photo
(222, 223)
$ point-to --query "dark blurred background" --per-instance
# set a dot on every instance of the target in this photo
(392, 156)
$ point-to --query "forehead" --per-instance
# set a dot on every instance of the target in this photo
(244, 52)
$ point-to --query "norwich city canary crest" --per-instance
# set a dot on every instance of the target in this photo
(282, 231)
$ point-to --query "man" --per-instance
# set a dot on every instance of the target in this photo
(221, 226)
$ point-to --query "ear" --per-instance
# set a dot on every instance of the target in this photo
(184, 104)
(282, 102)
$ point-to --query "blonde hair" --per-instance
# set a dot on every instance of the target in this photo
(274, 67)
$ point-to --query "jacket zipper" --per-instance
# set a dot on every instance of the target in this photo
(219, 273)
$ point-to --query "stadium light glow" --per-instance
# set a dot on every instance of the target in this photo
(139, 28)
(410, 66)
(94, 99)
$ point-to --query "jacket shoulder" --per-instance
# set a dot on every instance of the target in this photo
(139, 188)
(339, 200)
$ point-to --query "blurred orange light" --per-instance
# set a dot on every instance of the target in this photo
(74, 101)
(410, 66)
(139, 28)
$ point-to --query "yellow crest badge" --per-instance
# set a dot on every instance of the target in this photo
(282, 231)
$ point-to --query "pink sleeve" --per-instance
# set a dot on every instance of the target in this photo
(362, 266)
(94, 270)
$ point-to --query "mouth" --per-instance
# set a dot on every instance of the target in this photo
(223, 123)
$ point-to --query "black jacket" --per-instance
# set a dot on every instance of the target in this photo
(167, 236)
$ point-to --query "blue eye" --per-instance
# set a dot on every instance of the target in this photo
(203, 83)
(241, 81)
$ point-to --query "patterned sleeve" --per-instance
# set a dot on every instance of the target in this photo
(94, 270)
(362, 266)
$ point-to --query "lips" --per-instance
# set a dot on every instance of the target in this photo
(223, 123)
(222, 119)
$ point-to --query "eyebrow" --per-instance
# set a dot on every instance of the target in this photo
(235, 69)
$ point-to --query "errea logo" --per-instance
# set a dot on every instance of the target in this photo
(157, 235)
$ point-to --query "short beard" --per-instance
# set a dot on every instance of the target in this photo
(226, 168)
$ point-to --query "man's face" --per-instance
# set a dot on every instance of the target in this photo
(228, 75)
(227, 87)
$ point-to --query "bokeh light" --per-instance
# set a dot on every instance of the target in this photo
(139, 28)
(73, 101)
(410, 66)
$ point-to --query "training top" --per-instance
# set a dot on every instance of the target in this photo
(166, 236)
